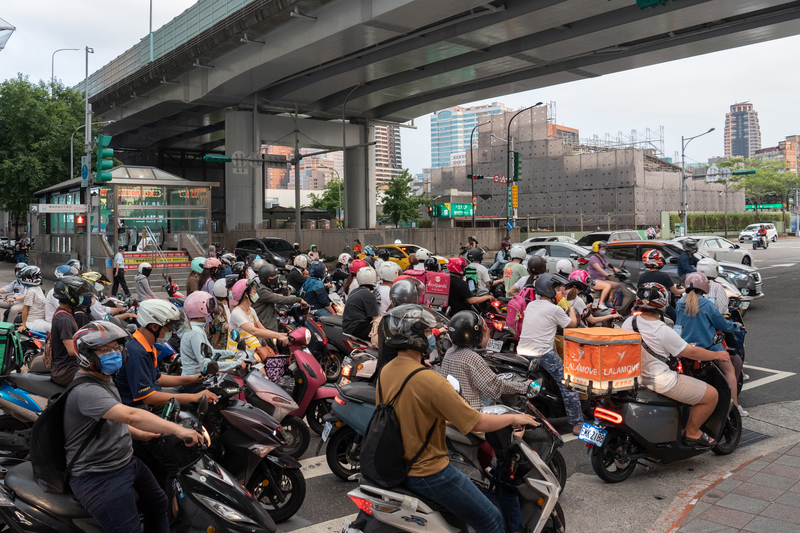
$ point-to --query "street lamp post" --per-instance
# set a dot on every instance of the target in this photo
(339, 180)
(510, 174)
(436, 226)
(151, 31)
(345, 218)
(53, 66)
(472, 167)
(72, 138)
(684, 144)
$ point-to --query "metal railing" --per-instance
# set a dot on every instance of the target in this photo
(158, 253)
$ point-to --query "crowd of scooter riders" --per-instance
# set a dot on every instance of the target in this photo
(104, 351)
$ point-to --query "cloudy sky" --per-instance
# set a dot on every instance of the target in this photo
(687, 97)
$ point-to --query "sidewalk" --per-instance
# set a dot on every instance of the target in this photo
(763, 496)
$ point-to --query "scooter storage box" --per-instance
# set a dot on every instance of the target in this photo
(10, 349)
(602, 360)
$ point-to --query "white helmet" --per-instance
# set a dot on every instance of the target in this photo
(564, 266)
(221, 288)
(301, 261)
(367, 276)
(708, 267)
(345, 259)
(157, 311)
(143, 266)
(397, 241)
(257, 264)
(423, 254)
(389, 271)
(517, 252)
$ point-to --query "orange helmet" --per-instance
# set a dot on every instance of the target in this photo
(653, 259)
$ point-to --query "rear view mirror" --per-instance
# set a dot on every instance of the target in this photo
(454, 382)
(573, 256)
(202, 406)
(673, 260)
(172, 406)
(736, 246)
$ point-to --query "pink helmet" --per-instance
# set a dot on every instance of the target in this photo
(237, 291)
(581, 276)
(199, 304)
(357, 265)
(212, 262)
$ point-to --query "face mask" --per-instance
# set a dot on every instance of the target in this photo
(110, 363)
(273, 282)
(558, 297)
(254, 297)
(602, 252)
(86, 300)
(230, 295)
(167, 336)
(431, 344)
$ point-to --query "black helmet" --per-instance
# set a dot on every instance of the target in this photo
(432, 265)
(475, 255)
(406, 291)
(466, 329)
(383, 254)
(537, 265)
(267, 271)
(238, 267)
(544, 286)
(408, 327)
(370, 260)
(18, 268)
(231, 279)
(31, 276)
(690, 245)
(228, 259)
(70, 289)
(94, 335)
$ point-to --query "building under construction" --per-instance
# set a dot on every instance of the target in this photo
(575, 186)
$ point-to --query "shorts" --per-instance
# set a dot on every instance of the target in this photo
(687, 390)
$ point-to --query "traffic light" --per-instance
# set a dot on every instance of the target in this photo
(517, 166)
(681, 213)
(80, 223)
(430, 211)
(104, 162)
(477, 177)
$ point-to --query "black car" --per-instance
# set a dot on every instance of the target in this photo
(271, 249)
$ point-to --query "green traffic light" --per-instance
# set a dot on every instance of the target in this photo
(517, 166)
(104, 161)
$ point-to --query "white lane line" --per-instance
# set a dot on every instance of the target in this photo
(315, 467)
(331, 526)
(768, 277)
(782, 265)
(777, 375)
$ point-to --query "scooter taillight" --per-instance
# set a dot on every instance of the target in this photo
(609, 416)
(497, 325)
(338, 400)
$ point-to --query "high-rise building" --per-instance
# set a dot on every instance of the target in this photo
(451, 129)
(742, 132)
(388, 156)
(557, 131)
(277, 178)
(785, 153)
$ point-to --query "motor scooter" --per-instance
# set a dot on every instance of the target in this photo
(760, 241)
(329, 356)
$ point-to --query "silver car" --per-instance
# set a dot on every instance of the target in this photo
(721, 249)
(556, 251)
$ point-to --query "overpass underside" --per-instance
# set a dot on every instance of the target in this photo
(234, 84)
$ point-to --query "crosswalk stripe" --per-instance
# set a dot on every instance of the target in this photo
(315, 467)
(331, 526)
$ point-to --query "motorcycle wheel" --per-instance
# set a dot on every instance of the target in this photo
(558, 466)
(739, 384)
(332, 366)
(558, 515)
(297, 434)
(9, 424)
(731, 434)
(316, 410)
(293, 487)
(338, 453)
(606, 466)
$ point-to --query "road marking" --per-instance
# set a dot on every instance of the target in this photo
(782, 265)
(777, 375)
(331, 526)
(315, 467)
(768, 277)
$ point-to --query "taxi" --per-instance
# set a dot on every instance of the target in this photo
(399, 253)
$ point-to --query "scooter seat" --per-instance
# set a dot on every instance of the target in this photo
(651, 398)
(36, 383)
(469, 439)
(331, 320)
(402, 489)
(360, 390)
(37, 366)
(20, 479)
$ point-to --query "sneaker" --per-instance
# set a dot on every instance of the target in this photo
(745, 377)
(742, 412)
(602, 307)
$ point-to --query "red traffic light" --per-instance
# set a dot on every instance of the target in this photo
(80, 220)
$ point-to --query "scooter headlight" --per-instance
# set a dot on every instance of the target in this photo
(223, 510)
(308, 336)
(261, 451)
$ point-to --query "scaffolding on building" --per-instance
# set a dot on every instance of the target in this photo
(650, 141)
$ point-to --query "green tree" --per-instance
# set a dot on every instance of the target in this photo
(330, 200)
(399, 203)
(35, 130)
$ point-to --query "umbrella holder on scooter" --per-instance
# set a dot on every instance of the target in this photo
(599, 361)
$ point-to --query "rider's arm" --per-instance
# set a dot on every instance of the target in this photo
(262, 333)
(70, 346)
(696, 353)
(25, 309)
(489, 423)
(490, 384)
(474, 300)
(146, 421)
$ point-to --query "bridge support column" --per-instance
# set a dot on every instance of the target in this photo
(244, 185)
(360, 179)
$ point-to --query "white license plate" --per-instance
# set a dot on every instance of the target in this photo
(327, 431)
(494, 345)
(592, 434)
(346, 361)
(344, 381)
(759, 287)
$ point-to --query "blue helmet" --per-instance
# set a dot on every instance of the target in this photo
(316, 270)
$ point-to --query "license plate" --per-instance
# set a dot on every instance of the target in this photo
(494, 345)
(344, 381)
(346, 361)
(327, 431)
(592, 434)
(759, 287)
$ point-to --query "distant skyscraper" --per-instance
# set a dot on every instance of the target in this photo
(388, 155)
(742, 132)
(451, 129)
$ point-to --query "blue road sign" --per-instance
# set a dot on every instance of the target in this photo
(84, 172)
(510, 225)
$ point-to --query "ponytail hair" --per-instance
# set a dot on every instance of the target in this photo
(692, 303)
(572, 293)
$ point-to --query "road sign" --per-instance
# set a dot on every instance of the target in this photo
(514, 196)
(515, 212)
(62, 208)
(475, 201)
(510, 204)
(510, 225)
(499, 178)
(84, 171)
(725, 174)
(712, 173)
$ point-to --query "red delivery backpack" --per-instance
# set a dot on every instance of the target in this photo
(516, 308)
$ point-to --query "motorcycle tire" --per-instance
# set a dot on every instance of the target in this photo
(316, 410)
(731, 434)
(298, 435)
(606, 466)
(293, 486)
(9, 424)
(558, 466)
(337, 453)
(558, 516)
(332, 366)
(739, 383)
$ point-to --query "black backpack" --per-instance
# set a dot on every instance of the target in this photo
(48, 443)
(382, 447)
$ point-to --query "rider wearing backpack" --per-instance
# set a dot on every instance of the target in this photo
(69, 292)
(105, 476)
(422, 408)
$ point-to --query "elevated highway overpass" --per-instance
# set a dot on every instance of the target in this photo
(227, 73)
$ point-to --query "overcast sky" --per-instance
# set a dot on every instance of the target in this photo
(687, 97)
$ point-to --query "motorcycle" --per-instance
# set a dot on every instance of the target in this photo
(32, 343)
(208, 496)
(328, 356)
(760, 241)
(360, 365)
(173, 292)
(642, 425)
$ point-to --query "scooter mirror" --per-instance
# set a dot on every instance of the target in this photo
(202, 406)
(234, 335)
(454, 382)
(172, 406)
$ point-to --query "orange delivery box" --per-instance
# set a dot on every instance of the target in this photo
(602, 360)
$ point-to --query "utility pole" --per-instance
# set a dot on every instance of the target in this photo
(151, 31)
(88, 141)
(510, 169)
(472, 166)
(297, 158)
(684, 144)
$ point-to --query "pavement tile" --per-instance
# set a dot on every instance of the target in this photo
(796, 488)
(698, 508)
(768, 494)
(763, 524)
(783, 512)
(743, 503)
(771, 457)
(788, 460)
(726, 517)
(743, 475)
(728, 485)
(782, 470)
(703, 526)
(769, 480)
(794, 451)
(789, 498)
(756, 466)
(713, 496)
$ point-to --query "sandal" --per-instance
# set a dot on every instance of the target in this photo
(704, 440)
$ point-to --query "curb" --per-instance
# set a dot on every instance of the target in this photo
(670, 520)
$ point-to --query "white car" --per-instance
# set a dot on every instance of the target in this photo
(556, 251)
(721, 249)
(550, 238)
(748, 233)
